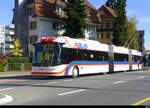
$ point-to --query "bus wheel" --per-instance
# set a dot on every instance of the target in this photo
(75, 72)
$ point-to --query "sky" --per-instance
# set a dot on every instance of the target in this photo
(137, 8)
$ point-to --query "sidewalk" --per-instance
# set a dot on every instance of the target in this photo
(13, 74)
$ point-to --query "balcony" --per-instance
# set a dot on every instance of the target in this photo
(105, 30)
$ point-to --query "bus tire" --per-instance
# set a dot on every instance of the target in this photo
(75, 72)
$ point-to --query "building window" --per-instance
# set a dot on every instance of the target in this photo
(1, 36)
(2, 44)
(33, 39)
(108, 35)
(33, 25)
(60, 10)
(91, 28)
(57, 26)
(88, 28)
(102, 35)
(112, 25)
(107, 25)
(111, 35)
(92, 38)
(2, 30)
(32, 12)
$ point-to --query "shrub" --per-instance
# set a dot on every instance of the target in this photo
(3, 59)
(18, 63)
(3, 62)
(14, 67)
(2, 68)
(19, 60)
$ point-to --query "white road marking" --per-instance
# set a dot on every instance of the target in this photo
(118, 82)
(6, 89)
(141, 77)
(99, 76)
(6, 99)
(107, 75)
(36, 84)
(91, 77)
(81, 90)
(52, 82)
(67, 80)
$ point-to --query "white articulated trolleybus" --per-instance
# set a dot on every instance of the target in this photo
(64, 56)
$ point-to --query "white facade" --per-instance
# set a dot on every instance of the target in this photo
(6, 37)
(46, 27)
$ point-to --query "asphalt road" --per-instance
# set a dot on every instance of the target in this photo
(128, 88)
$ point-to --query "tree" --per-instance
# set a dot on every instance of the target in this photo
(120, 24)
(132, 31)
(112, 4)
(17, 51)
(75, 24)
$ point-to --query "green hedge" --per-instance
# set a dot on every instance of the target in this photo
(19, 67)
(19, 60)
(2, 68)
(18, 63)
(15, 64)
(14, 67)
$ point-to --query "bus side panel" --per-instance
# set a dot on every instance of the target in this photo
(94, 69)
(89, 67)
(136, 66)
(121, 66)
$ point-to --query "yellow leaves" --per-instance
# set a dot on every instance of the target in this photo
(17, 43)
(16, 51)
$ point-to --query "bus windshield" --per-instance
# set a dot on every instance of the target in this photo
(46, 54)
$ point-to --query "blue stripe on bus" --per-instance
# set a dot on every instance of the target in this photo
(84, 63)
(126, 63)
(121, 62)
(135, 63)
(93, 63)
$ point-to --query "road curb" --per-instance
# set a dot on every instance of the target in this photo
(3, 76)
(14, 74)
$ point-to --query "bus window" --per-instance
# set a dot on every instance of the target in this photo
(68, 55)
(46, 55)
(136, 58)
(39, 57)
(79, 55)
(121, 57)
